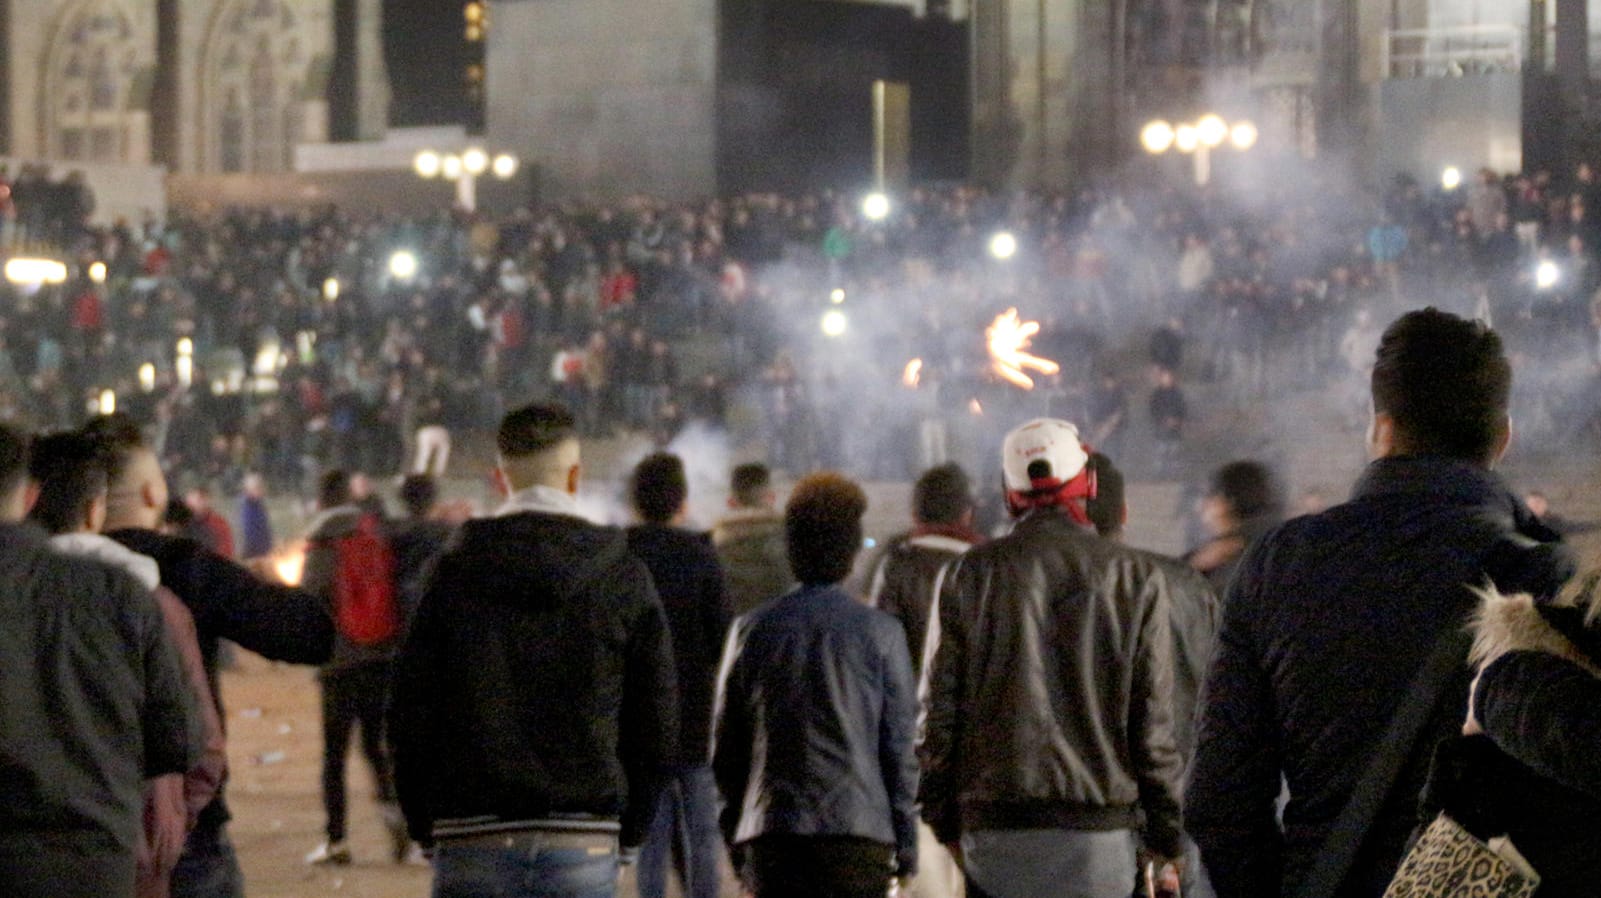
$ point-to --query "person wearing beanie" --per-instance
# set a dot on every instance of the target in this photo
(1050, 758)
(815, 722)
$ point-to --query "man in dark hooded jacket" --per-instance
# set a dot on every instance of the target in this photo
(535, 711)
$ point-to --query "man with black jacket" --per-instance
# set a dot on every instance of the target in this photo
(686, 573)
(1049, 744)
(227, 601)
(815, 722)
(1331, 616)
(93, 702)
(534, 713)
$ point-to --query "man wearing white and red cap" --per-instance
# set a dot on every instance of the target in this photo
(1049, 753)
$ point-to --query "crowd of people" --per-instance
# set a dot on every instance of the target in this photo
(1038, 711)
(287, 343)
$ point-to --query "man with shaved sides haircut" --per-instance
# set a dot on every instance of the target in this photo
(227, 600)
(534, 714)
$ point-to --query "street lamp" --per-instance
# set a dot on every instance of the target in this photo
(330, 289)
(1451, 178)
(1198, 138)
(97, 272)
(26, 272)
(1003, 245)
(875, 206)
(465, 169)
(834, 323)
(403, 265)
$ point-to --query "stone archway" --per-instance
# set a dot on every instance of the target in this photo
(252, 84)
(91, 100)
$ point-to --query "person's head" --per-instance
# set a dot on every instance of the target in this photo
(70, 476)
(1108, 508)
(255, 486)
(538, 446)
(943, 496)
(176, 518)
(751, 486)
(1240, 490)
(137, 493)
(13, 474)
(1045, 464)
(823, 528)
(1440, 387)
(333, 490)
(198, 498)
(660, 488)
(419, 493)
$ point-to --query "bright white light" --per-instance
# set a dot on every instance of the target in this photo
(1243, 135)
(1156, 137)
(33, 272)
(330, 289)
(186, 347)
(834, 323)
(1546, 274)
(185, 366)
(427, 164)
(475, 161)
(837, 295)
(1451, 177)
(108, 402)
(1211, 130)
(1003, 245)
(504, 166)
(147, 377)
(450, 167)
(97, 272)
(403, 265)
(875, 206)
(1186, 138)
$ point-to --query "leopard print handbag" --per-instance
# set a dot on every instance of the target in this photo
(1449, 862)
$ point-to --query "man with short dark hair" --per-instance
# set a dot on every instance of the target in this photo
(94, 704)
(355, 681)
(904, 584)
(1049, 755)
(750, 540)
(690, 583)
(815, 721)
(1331, 617)
(535, 712)
(278, 622)
(416, 539)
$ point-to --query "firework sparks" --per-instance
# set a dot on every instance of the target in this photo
(1009, 338)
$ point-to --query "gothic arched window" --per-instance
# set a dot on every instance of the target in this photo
(89, 74)
(252, 63)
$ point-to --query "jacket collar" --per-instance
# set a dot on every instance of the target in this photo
(105, 549)
(1446, 480)
(541, 500)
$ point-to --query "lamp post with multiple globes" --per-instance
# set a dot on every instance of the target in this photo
(1198, 139)
(465, 169)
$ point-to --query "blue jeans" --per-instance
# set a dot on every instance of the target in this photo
(685, 829)
(1049, 863)
(527, 865)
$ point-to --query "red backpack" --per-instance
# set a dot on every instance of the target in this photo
(365, 607)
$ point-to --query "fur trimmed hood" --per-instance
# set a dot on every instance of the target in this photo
(1517, 623)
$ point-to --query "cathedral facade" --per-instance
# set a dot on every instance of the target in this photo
(200, 86)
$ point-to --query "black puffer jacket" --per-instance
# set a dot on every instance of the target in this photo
(536, 682)
(815, 723)
(1534, 774)
(1040, 630)
(1325, 626)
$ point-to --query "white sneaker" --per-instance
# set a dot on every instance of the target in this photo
(330, 853)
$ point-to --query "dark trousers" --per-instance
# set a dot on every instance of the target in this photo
(208, 868)
(350, 696)
(818, 867)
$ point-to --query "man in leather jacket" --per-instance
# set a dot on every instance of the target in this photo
(1049, 753)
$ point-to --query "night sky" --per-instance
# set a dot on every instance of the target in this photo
(423, 47)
